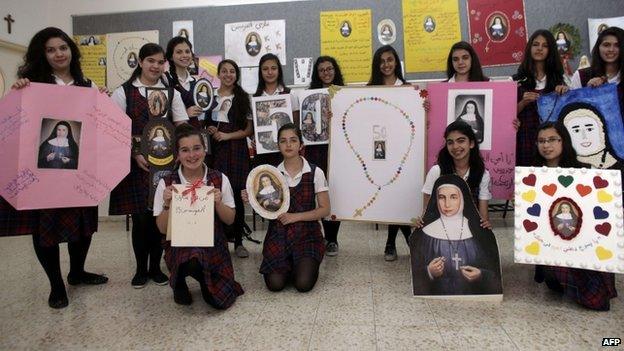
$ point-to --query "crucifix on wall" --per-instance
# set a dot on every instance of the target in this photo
(9, 20)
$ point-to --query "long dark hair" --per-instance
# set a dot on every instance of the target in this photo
(568, 154)
(280, 73)
(475, 162)
(186, 130)
(553, 67)
(175, 41)
(36, 66)
(241, 107)
(476, 72)
(294, 128)
(147, 50)
(316, 80)
(598, 66)
(376, 75)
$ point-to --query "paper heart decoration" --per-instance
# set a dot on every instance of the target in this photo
(599, 213)
(565, 180)
(550, 189)
(603, 228)
(529, 226)
(600, 183)
(533, 248)
(603, 254)
(534, 210)
(583, 189)
(529, 196)
(529, 180)
(604, 196)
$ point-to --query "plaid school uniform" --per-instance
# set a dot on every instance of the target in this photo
(187, 97)
(527, 132)
(13, 222)
(285, 245)
(215, 261)
(317, 154)
(588, 288)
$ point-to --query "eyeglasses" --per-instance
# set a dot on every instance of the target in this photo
(548, 141)
(326, 70)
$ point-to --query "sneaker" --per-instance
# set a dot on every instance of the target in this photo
(241, 251)
(139, 281)
(159, 278)
(390, 254)
(331, 249)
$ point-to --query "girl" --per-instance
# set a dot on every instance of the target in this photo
(271, 82)
(54, 58)
(325, 72)
(230, 126)
(539, 73)
(463, 65)
(180, 57)
(131, 195)
(588, 288)
(294, 242)
(59, 150)
(461, 156)
(387, 71)
(210, 266)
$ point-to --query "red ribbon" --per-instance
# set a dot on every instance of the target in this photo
(192, 189)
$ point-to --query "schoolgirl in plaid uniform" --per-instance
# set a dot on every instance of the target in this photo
(211, 266)
(294, 247)
(50, 227)
(325, 72)
(180, 56)
(271, 82)
(540, 72)
(130, 197)
(229, 125)
(591, 289)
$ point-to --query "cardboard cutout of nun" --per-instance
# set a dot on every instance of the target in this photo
(451, 254)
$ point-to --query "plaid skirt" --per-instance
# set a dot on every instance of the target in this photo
(591, 289)
(284, 246)
(217, 268)
(130, 195)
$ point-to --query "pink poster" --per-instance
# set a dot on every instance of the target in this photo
(491, 108)
(61, 146)
(208, 69)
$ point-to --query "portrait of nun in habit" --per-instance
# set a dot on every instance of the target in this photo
(452, 254)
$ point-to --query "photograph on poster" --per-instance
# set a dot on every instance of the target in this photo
(345, 29)
(429, 24)
(386, 31)
(315, 109)
(565, 218)
(473, 106)
(59, 144)
(253, 44)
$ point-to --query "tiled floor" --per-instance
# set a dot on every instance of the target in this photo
(359, 303)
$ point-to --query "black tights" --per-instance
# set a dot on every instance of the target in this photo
(331, 230)
(146, 243)
(236, 229)
(193, 269)
(393, 230)
(304, 276)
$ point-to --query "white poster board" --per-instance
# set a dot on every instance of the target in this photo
(597, 25)
(302, 70)
(377, 154)
(122, 54)
(269, 114)
(191, 224)
(247, 42)
(315, 107)
(569, 217)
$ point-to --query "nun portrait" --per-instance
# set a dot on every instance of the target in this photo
(452, 254)
(59, 150)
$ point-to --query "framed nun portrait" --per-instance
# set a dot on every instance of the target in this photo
(158, 101)
(268, 191)
(203, 94)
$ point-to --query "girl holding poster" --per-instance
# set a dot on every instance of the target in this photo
(540, 72)
(180, 55)
(131, 195)
(230, 126)
(210, 266)
(386, 70)
(54, 58)
(325, 72)
(294, 245)
(591, 289)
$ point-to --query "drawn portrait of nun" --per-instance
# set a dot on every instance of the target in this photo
(588, 134)
(452, 254)
(253, 45)
(497, 28)
(470, 114)
(59, 150)
(429, 24)
(132, 60)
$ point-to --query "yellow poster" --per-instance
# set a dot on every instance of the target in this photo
(93, 52)
(430, 28)
(346, 35)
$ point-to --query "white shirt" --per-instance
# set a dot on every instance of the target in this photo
(434, 174)
(178, 110)
(576, 80)
(294, 99)
(59, 81)
(186, 82)
(540, 84)
(398, 82)
(320, 182)
(227, 195)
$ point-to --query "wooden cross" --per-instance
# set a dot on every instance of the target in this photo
(456, 259)
(9, 20)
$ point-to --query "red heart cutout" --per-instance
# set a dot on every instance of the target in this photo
(583, 189)
(529, 180)
(600, 183)
(530, 226)
(550, 189)
(603, 228)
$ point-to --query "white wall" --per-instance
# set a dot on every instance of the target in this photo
(30, 16)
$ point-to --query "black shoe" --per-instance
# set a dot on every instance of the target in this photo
(139, 280)
(182, 295)
(58, 299)
(390, 254)
(86, 278)
(159, 278)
